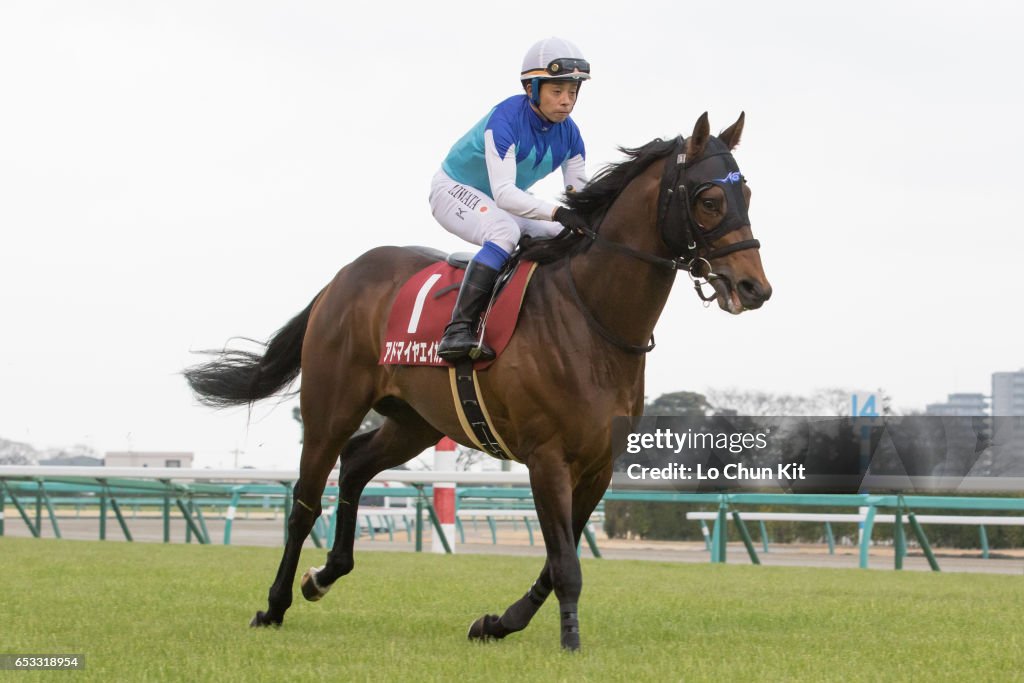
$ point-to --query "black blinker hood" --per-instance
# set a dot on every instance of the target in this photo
(684, 181)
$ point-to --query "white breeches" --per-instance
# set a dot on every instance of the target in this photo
(469, 213)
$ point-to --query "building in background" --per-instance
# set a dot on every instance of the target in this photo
(66, 460)
(1008, 393)
(959, 405)
(151, 459)
(1008, 423)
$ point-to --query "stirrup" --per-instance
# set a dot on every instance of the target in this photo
(463, 344)
(481, 351)
(475, 351)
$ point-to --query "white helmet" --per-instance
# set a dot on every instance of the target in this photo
(554, 59)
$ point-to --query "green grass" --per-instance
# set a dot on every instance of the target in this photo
(177, 612)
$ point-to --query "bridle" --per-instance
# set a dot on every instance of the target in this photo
(681, 185)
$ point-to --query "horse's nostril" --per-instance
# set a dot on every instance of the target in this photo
(751, 291)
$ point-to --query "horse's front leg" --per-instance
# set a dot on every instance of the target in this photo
(585, 497)
(552, 486)
(552, 493)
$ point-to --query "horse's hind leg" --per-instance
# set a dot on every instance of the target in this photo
(402, 436)
(585, 497)
(318, 457)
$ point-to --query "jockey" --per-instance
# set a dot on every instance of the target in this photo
(480, 192)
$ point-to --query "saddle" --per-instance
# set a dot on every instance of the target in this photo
(424, 306)
(417, 320)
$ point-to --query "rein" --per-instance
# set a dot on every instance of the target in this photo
(697, 250)
(606, 334)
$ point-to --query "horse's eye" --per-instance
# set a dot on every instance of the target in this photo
(708, 204)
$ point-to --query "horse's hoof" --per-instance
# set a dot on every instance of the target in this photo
(484, 628)
(262, 619)
(311, 590)
(571, 642)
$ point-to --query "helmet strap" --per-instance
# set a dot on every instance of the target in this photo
(535, 91)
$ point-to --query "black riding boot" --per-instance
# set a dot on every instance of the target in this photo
(460, 334)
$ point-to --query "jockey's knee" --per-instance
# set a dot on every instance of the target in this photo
(503, 233)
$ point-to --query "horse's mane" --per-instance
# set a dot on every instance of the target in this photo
(594, 200)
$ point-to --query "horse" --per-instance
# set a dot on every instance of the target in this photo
(576, 360)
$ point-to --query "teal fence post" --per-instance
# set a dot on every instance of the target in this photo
(715, 531)
(3, 499)
(190, 524)
(167, 519)
(830, 538)
(419, 522)
(898, 540)
(983, 535)
(923, 541)
(202, 523)
(745, 536)
(229, 518)
(121, 519)
(24, 514)
(591, 541)
(494, 530)
(706, 533)
(764, 535)
(103, 515)
(39, 508)
(49, 510)
(721, 531)
(865, 536)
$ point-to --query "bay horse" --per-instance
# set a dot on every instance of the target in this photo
(575, 362)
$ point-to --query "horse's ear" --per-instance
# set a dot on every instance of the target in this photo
(731, 135)
(696, 143)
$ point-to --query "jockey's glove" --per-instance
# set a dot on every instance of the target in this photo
(571, 219)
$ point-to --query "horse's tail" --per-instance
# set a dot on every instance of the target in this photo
(235, 377)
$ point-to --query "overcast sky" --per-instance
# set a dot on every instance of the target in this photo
(173, 174)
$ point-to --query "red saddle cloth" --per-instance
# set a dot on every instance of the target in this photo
(424, 307)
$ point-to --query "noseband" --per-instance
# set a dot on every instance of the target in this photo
(681, 184)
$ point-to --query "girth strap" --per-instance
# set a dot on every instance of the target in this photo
(469, 406)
